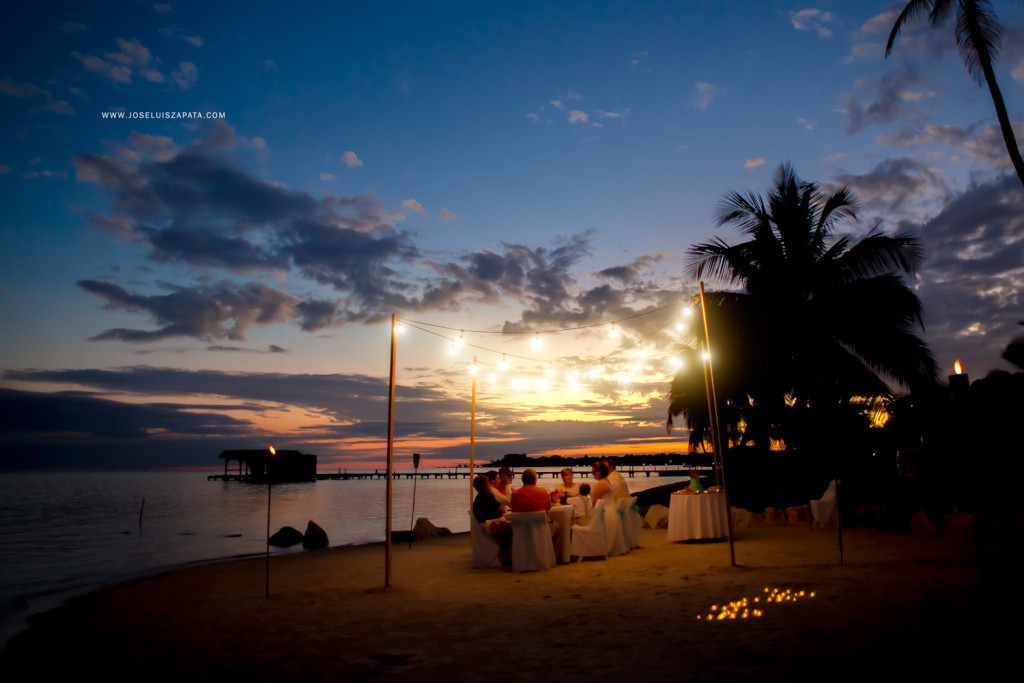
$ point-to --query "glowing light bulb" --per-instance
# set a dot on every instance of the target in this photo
(687, 311)
(536, 341)
(676, 363)
(399, 327)
(503, 366)
(614, 331)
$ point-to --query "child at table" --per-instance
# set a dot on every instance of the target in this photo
(581, 506)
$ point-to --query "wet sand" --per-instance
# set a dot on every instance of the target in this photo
(915, 604)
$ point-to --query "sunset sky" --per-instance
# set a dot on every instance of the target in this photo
(172, 287)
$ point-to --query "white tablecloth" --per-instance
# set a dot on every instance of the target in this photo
(698, 515)
(563, 513)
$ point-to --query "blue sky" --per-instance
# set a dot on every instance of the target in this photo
(462, 164)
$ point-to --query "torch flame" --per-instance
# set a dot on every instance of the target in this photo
(957, 368)
(273, 451)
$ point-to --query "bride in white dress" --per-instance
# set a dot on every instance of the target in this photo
(604, 494)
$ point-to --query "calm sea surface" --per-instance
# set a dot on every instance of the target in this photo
(66, 533)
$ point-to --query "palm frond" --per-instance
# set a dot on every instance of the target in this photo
(719, 261)
(747, 212)
(839, 205)
(910, 13)
(878, 253)
(977, 37)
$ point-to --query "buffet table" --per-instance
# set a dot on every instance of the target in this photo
(696, 515)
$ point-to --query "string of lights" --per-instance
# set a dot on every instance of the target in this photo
(597, 367)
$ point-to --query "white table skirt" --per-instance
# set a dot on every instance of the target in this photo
(563, 513)
(698, 515)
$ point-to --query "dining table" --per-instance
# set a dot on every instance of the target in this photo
(694, 516)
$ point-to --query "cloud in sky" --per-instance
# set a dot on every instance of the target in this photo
(983, 142)
(813, 19)
(577, 116)
(414, 206)
(703, 94)
(78, 416)
(754, 162)
(893, 183)
(885, 100)
(351, 160)
(179, 33)
(133, 58)
(8, 86)
(189, 205)
(221, 311)
(444, 215)
(327, 176)
(972, 281)
(186, 76)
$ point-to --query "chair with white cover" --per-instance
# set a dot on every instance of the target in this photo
(615, 542)
(532, 549)
(629, 515)
(485, 546)
(589, 540)
(824, 510)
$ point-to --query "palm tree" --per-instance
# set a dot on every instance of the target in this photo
(977, 37)
(817, 319)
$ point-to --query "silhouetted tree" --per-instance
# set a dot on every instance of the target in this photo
(1014, 352)
(818, 317)
(977, 37)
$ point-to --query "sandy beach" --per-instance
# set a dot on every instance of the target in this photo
(915, 604)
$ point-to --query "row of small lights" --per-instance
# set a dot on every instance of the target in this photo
(573, 377)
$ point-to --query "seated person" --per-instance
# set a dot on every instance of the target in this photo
(581, 506)
(485, 505)
(490, 514)
(532, 498)
(503, 489)
(603, 485)
(566, 489)
(493, 480)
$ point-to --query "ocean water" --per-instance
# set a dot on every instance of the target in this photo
(66, 533)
